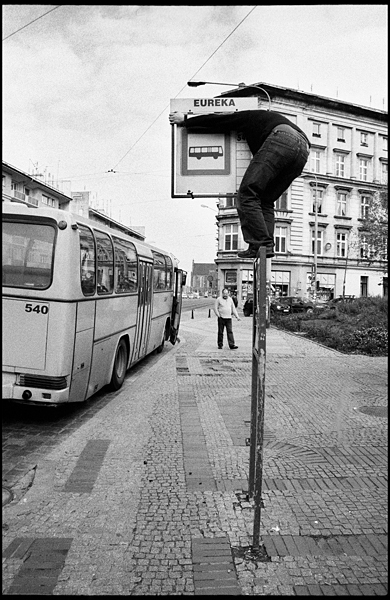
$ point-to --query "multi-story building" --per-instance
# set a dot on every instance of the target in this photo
(348, 164)
(29, 189)
(21, 187)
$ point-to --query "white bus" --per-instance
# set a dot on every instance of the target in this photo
(81, 304)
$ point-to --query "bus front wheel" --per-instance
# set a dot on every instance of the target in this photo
(120, 366)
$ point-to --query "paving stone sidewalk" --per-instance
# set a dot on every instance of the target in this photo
(149, 496)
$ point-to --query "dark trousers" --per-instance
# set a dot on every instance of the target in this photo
(271, 171)
(222, 323)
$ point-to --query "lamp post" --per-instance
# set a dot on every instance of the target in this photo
(239, 85)
(315, 238)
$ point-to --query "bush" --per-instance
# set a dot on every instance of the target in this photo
(358, 327)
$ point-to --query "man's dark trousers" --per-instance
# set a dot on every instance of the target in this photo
(222, 323)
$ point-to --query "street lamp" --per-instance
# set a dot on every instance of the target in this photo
(315, 237)
(209, 207)
(239, 85)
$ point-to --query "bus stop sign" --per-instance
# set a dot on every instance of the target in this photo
(208, 164)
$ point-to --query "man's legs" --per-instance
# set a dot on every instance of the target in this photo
(271, 171)
(229, 332)
(221, 326)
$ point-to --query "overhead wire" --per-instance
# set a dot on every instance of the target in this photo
(179, 92)
(30, 23)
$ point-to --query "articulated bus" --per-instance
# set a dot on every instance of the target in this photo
(82, 303)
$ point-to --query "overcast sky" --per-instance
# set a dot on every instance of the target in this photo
(86, 89)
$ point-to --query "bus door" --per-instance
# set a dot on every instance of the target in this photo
(179, 282)
(144, 309)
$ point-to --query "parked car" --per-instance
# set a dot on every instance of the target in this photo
(279, 307)
(184, 295)
(291, 304)
(206, 294)
(190, 296)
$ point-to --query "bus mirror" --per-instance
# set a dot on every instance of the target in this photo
(184, 279)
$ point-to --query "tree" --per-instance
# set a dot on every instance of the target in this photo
(374, 229)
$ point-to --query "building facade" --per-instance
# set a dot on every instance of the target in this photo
(204, 278)
(21, 187)
(348, 165)
(27, 189)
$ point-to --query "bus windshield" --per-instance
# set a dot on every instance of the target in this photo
(28, 251)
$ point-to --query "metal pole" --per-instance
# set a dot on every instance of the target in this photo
(258, 388)
(315, 241)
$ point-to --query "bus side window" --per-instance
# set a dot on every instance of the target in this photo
(87, 260)
(169, 272)
(159, 271)
(125, 267)
(105, 260)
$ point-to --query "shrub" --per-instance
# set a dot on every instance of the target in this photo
(358, 327)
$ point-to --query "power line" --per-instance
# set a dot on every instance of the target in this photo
(37, 19)
(215, 51)
(165, 108)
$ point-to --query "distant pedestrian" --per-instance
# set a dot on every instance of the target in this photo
(224, 309)
(280, 150)
(234, 298)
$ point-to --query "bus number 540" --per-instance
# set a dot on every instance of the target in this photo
(38, 308)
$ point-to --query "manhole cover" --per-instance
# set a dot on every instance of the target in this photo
(374, 411)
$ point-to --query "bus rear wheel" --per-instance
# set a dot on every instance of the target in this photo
(120, 366)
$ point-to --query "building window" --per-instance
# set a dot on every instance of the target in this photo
(384, 172)
(317, 195)
(231, 237)
(280, 283)
(340, 134)
(363, 138)
(364, 248)
(48, 201)
(341, 245)
(230, 202)
(14, 185)
(363, 169)
(363, 286)
(280, 239)
(316, 129)
(384, 144)
(320, 236)
(281, 202)
(340, 165)
(364, 206)
(316, 161)
(341, 204)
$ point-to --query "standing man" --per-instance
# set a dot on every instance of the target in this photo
(280, 150)
(224, 309)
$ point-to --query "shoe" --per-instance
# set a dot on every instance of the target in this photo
(233, 347)
(219, 347)
(251, 252)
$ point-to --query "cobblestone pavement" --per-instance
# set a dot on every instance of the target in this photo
(149, 495)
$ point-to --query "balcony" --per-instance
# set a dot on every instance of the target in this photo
(19, 195)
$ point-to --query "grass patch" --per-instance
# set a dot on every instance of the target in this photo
(358, 327)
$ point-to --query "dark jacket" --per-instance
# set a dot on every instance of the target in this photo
(256, 125)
